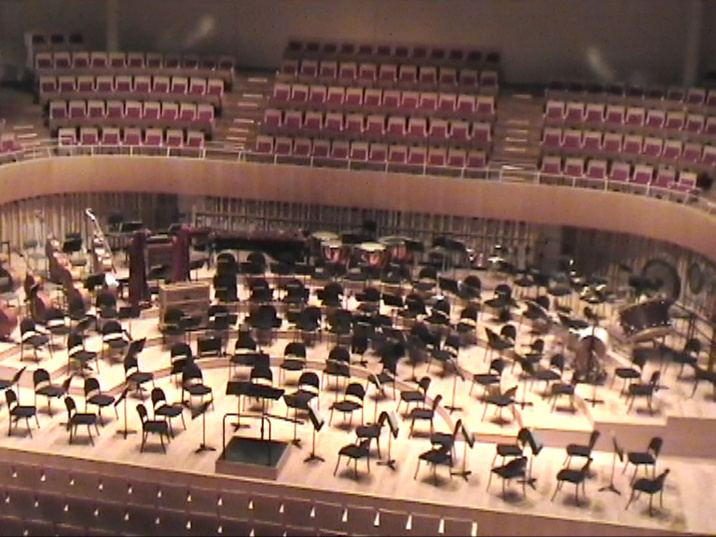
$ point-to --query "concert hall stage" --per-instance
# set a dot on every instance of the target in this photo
(686, 424)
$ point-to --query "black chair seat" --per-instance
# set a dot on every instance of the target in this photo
(546, 375)
(346, 406)
(486, 379)
(140, 377)
(371, 430)
(513, 469)
(168, 411)
(641, 458)
(101, 399)
(83, 418)
(198, 389)
(562, 389)
(627, 373)
(354, 451)
(84, 356)
(117, 343)
(412, 396)
(500, 400)
(156, 426)
(38, 340)
(641, 389)
(293, 365)
(421, 413)
(51, 391)
(23, 411)
(578, 450)
(438, 455)
(684, 358)
(299, 399)
(509, 450)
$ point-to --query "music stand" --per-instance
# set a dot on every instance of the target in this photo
(392, 420)
(238, 388)
(468, 438)
(201, 411)
(123, 397)
(618, 452)
(457, 373)
(524, 402)
(536, 446)
(317, 421)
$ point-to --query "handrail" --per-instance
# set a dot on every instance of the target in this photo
(505, 173)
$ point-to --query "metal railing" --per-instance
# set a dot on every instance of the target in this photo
(51, 148)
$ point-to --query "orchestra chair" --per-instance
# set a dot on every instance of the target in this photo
(496, 343)
(515, 449)
(192, 383)
(514, 469)
(16, 412)
(133, 376)
(492, 377)
(31, 337)
(575, 476)
(360, 449)
(75, 419)
(565, 388)
(77, 353)
(550, 374)
(114, 336)
(359, 346)
(352, 401)
(649, 486)
(44, 386)
(501, 400)
(56, 323)
(372, 431)
(447, 439)
(245, 349)
(294, 358)
(174, 325)
(424, 413)
(162, 409)
(417, 395)
(308, 388)
(634, 373)
(159, 427)
(688, 356)
(12, 381)
(702, 374)
(95, 396)
(466, 326)
(180, 354)
(437, 454)
(645, 458)
(641, 389)
(337, 364)
(581, 450)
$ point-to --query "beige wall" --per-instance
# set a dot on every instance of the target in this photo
(537, 204)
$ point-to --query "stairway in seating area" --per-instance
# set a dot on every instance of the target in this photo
(517, 131)
(243, 109)
(22, 117)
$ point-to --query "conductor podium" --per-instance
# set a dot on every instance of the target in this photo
(249, 456)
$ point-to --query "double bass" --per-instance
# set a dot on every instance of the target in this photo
(61, 273)
(9, 282)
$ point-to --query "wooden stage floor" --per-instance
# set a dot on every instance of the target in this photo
(687, 425)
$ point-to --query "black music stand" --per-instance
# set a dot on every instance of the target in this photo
(317, 421)
(468, 438)
(392, 420)
(123, 397)
(238, 388)
(536, 446)
(201, 411)
(524, 402)
(591, 368)
(457, 373)
(618, 452)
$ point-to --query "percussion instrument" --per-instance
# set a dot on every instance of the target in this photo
(372, 253)
(322, 236)
(647, 320)
(333, 251)
(397, 249)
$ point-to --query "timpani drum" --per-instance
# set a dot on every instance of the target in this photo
(372, 253)
(333, 251)
(317, 240)
(397, 249)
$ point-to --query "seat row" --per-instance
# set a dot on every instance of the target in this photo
(130, 136)
(614, 115)
(82, 59)
(9, 143)
(377, 126)
(78, 112)
(673, 97)
(418, 155)
(405, 53)
(621, 172)
(369, 73)
(596, 142)
(183, 88)
(426, 102)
